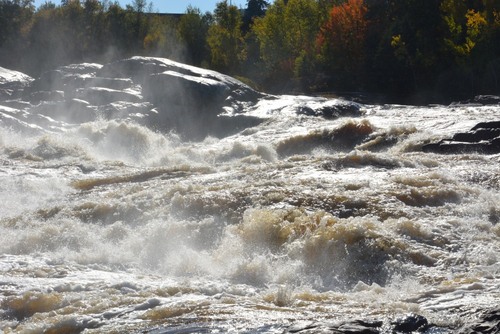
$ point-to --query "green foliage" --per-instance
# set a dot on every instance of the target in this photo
(225, 38)
(193, 30)
(255, 8)
(394, 47)
(15, 16)
(286, 34)
(271, 34)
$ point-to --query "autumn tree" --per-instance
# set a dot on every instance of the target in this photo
(341, 40)
(472, 38)
(465, 27)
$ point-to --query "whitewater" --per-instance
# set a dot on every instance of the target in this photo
(276, 214)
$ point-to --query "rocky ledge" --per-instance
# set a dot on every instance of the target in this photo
(482, 138)
(156, 92)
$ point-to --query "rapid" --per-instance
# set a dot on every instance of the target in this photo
(296, 222)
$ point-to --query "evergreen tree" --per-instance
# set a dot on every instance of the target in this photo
(255, 8)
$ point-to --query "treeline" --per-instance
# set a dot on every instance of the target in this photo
(411, 50)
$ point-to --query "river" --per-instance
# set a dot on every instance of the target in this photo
(297, 223)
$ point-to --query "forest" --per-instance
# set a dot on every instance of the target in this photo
(408, 51)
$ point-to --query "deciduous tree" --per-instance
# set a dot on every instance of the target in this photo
(286, 35)
(225, 38)
(193, 31)
(342, 39)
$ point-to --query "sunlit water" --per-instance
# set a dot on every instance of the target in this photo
(109, 226)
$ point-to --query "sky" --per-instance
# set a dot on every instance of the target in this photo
(172, 6)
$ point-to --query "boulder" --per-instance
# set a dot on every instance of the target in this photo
(12, 83)
(410, 323)
(186, 98)
(186, 93)
(482, 138)
(140, 69)
(332, 109)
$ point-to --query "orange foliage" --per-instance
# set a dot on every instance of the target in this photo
(344, 31)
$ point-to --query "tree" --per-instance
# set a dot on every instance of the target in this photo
(15, 20)
(342, 39)
(225, 39)
(271, 34)
(286, 34)
(471, 41)
(255, 8)
(193, 31)
(465, 28)
(414, 34)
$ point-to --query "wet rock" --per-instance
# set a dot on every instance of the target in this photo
(140, 69)
(136, 68)
(332, 109)
(487, 99)
(39, 96)
(410, 323)
(162, 94)
(480, 100)
(50, 80)
(72, 111)
(340, 327)
(123, 110)
(359, 326)
(111, 83)
(12, 83)
(488, 323)
(482, 138)
(186, 93)
(487, 125)
(63, 76)
(76, 82)
(99, 96)
(149, 304)
(477, 135)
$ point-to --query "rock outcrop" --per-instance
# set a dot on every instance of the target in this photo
(487, 322)
(410, 323)
(482, 138)
(12, 83)
(156, 92)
